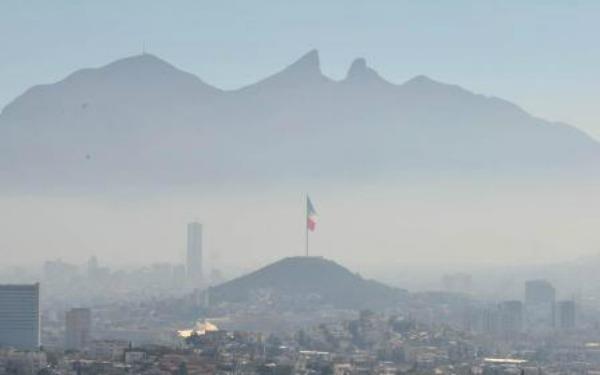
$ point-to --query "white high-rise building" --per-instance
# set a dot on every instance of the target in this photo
(20, 316)
(194, 255)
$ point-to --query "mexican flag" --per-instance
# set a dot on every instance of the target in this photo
(311, 215)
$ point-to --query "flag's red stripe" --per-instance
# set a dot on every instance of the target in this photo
(311, 224)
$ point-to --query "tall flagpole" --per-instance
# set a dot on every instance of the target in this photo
(306, 224)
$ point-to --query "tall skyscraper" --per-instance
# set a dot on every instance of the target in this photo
(78, 327)
(540, 302)
(539, 291)
(194, 255)
(511, 317)
(566, 315)
(20, 316)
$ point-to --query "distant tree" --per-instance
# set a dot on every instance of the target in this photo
(275, 370)
(320, 368)
(273, 340)
(402, 326)
(192, 340)
(182, 370)
(284, 370)
(354, 328)
(273, 345)
(52, 358)
(301, 338)
(366, 314)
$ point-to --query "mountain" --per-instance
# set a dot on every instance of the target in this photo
(142, 122)
(308, 280)
(116, 123)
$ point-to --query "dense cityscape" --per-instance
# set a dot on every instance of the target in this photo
(174, 319)
(316, 187)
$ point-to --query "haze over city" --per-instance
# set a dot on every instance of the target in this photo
(413, 219)
(331, 187)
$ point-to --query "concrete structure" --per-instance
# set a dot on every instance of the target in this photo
(194, 255)
(78, 327)
(540, 301)
(22, 362)
(108, 349)
(566, 316)
(20, 316)
(135, 356)
(511, 317)
(539, 291)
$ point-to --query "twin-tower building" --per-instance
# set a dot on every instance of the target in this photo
(194, 274)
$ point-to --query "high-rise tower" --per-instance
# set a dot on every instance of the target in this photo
(194, 255)
(20, 316)
(78, 327)
(540, 300)
(566, 315)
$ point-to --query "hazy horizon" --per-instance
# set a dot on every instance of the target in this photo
(316, 187)
(369, 227)
(374, 212)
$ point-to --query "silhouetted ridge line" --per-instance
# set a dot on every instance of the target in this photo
(146, 123)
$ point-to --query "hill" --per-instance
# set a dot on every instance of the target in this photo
(308, 280)
(141, 121)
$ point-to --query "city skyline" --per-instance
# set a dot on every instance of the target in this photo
(260, 187)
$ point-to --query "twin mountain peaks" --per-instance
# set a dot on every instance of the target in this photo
(140, 121)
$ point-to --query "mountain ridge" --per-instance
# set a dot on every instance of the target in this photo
(143, 121)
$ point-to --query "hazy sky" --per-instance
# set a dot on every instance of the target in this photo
(542, 55)
(369, 227)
